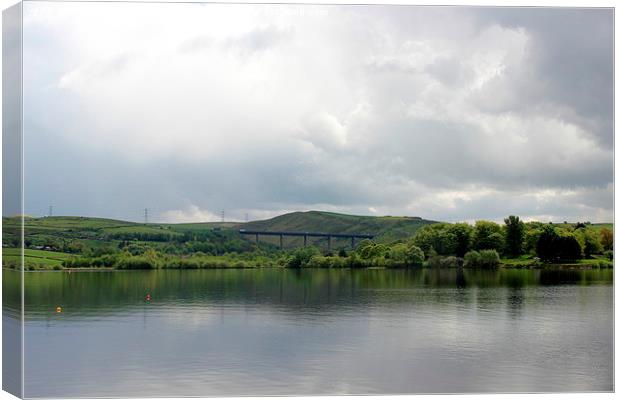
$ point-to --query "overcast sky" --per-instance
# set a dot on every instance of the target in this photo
(445, 113)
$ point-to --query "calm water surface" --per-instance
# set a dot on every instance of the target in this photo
(285, 332)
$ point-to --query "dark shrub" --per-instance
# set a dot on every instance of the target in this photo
(136, 263)
(552, 246)
(450, 262)
(301, 257)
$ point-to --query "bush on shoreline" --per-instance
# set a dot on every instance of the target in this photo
(482, 259)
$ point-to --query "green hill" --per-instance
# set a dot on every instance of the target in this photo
(386, 229)
(59, 233)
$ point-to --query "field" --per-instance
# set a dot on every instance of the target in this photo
(39, 259)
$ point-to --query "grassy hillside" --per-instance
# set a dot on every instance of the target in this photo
(48, 231)
(69, 234)
(40, 258)
(386, 229)
(202, 226)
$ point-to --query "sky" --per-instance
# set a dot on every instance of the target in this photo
(447, 113)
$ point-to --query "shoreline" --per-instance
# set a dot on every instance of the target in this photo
(506, 267)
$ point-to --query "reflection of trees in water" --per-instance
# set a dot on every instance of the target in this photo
(461, 282)
(519, 278)
(514, 301)
(558, 277)
(462, 295)
(11, 293)
(116, 291)
(482, 278)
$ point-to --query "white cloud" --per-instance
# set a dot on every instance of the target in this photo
(190, 214)
(427, 111)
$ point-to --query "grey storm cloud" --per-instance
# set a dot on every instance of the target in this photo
(571, 54)
(449, 113)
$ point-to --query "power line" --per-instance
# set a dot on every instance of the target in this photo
(51, 211)
(223, 216)
(146, 215)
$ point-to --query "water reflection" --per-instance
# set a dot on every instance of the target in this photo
(12, 324)
(86, 291)
(273, 331)
(514, 300)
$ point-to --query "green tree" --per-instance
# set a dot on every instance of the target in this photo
(591, 243)
(363, 244)
(568, 247)
(471, 259)
(531, 238)
(607, 239)
(368, 250)
(462, 233)
(436, 236)
(557, 246)
(398, 253)
(545, 246)
(515, 233)
(301, 256)
(414, 256)
(488, 236)
(76, 247)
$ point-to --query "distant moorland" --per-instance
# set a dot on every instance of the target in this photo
(399, 242)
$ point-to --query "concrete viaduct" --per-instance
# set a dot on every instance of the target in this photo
(306, 235)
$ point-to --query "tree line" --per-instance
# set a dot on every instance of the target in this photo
(484, 244)
(549, 242)
(481, 245)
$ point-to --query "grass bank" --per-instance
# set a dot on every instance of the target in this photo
(36, 260)
(528, 261)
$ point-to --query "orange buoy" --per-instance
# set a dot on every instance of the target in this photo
(59, 309)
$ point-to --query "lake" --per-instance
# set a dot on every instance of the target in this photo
(296, 332)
